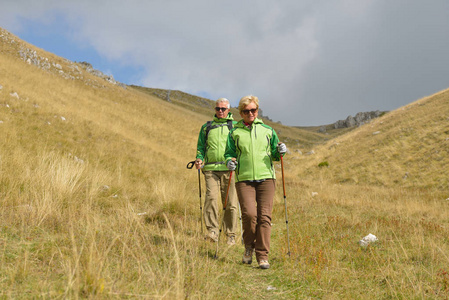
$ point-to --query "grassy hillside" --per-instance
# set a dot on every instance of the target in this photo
(406, 148)
(96, 201)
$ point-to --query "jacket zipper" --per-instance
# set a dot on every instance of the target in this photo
(268, 154)
(238, 158)
(252, 149)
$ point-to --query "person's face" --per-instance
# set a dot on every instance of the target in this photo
(222, 110)
(249, 113)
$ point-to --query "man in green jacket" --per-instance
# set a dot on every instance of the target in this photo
(210, 156)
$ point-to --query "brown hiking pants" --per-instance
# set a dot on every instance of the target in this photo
(216, 185)
(256, 202)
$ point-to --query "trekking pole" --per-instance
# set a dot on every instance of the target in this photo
(190, 166)
(241, 226)
(224, 211)
(285, 202)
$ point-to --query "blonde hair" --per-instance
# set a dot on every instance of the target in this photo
(247, 100)
(223, 100)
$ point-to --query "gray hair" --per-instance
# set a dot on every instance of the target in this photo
(223, 100)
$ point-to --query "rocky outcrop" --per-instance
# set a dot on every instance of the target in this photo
(65, 68)
(88, 67)
(359, 119)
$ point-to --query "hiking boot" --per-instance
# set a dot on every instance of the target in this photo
(263, 264)
(212, 236)
(231, 240)
(248, 255)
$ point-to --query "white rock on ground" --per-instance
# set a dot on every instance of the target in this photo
(370, 238)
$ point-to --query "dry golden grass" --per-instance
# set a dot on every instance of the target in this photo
(96, 201)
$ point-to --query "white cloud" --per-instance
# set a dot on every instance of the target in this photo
(309, 62)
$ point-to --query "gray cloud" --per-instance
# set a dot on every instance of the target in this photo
(309, 62)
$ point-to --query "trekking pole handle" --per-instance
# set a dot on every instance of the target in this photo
(190, 164)
(282, 169)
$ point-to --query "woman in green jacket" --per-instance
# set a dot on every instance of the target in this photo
(251, 148)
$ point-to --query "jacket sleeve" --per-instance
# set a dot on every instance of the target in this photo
(275, 155)
(201, 145)
(230, 151)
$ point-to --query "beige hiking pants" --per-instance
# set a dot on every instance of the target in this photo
(216, 185)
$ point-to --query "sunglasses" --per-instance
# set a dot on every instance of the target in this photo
(223, 109)
(247, 111)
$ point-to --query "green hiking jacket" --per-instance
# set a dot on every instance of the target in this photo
(255, 149)
(211, 149)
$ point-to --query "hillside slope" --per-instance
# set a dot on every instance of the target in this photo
(80, 158)
(408, 147)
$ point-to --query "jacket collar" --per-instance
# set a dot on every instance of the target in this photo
(242, 124)
(225, 119)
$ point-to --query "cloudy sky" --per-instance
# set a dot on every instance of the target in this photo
(310, 62)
